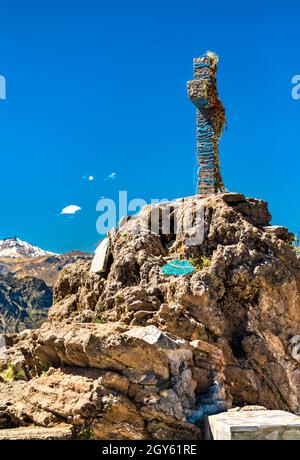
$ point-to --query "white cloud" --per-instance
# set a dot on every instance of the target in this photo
(113, 175)
(90, 178)
(71, 209)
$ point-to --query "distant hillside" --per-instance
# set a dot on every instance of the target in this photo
(23, 303)
(46, 268)
(27, 277)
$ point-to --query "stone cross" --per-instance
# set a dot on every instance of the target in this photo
(211, 119)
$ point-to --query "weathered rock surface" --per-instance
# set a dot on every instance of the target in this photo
(131, 350)
(123, 382)
(245, 301)
(37, 433)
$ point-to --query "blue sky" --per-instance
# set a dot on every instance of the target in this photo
(97, 87)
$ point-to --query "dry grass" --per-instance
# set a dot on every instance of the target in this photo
(214, 58)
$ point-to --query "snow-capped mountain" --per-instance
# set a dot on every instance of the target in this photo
(14, 247)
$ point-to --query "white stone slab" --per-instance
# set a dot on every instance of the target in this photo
(253, 425)
(100, 260)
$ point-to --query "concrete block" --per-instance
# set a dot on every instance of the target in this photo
(253, 425)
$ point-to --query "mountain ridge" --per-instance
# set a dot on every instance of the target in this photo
(14, 247)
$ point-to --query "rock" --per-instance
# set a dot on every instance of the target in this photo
(255, 211)
(111, 346)
(212, 402)
(280, 232)
(245, 301)
(121, 420)
(60, 432)
(114, 379)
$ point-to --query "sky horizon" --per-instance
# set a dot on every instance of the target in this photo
(96, 102)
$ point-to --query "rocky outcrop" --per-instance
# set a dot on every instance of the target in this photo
(122, 382)
(136, 354)
(243, 297)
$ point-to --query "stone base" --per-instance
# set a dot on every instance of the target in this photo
(253, 425)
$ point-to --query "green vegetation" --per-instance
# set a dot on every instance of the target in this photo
(195, 262)
(86, 433)
(43, 374)
(101, 307)
(42, 371)
(201, 264)
(99, 319)
(11, 373)
(205, 262)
